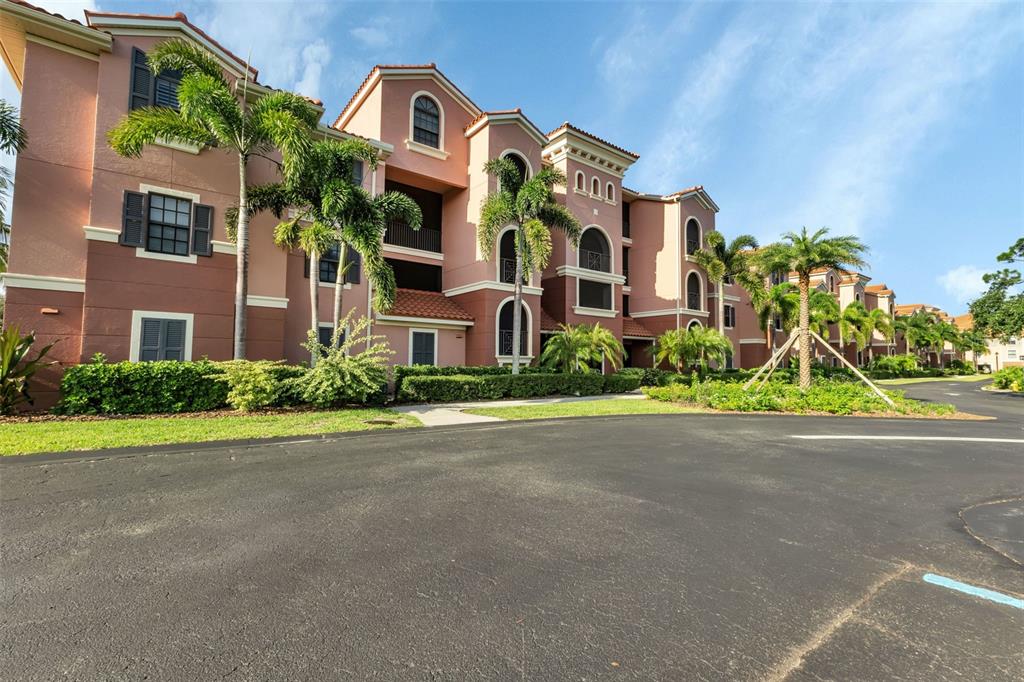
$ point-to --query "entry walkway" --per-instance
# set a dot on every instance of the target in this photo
(446, 414)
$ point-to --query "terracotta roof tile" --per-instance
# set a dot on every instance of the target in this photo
(631, 327)
(48, 13)
(569, 126)
(430, 304)
(484, 114)
(181, 17)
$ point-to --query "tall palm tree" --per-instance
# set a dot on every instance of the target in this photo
(919, 331)
(332, 209)
(695, 346)
(723, 261)
(578, 348)
(945, 332)
(803, 253)
(210, 111)
(852, 324)
(823, 313)
(780, 301)
(529, 206)
(975, 342)
(13, 139)
(881, 322)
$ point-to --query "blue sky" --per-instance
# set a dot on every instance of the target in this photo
(902, 123)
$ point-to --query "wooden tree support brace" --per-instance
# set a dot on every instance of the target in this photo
(773, 361)
(857, 372)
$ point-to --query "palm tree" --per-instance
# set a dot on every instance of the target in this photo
(578, 348)
(695, 346)
(210, 111)
(878, 320)
(722, 261)
(975, 342)
(333, 210)
(823, 313)
(918, 329)
(803, 253)
(945, 332)
(852, 325)
(13, 139)
(530, 207)
(780, 301)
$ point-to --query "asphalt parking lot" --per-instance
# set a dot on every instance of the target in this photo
(649, 547)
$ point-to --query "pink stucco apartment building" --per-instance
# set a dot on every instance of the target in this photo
(130, 258)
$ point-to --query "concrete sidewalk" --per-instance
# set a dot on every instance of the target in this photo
(446, 414)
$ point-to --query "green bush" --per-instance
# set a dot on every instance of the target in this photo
(341, 377)
(1011, 378)
(259, 384)
(958, 367)
(832, 397)
(649, 376)
(621, 382)
(142, 387)
(460, 388)
(16, 369)
(400, 372)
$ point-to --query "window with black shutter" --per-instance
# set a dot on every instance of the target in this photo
(169, 222)
(423, 348)
(202, 230)
(165, 224)
(357, 172)
(162, 339)
(161, 91)
(324, 334)
(133, 219)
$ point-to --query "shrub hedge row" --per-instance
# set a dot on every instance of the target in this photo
(142, 387)
(490, 386)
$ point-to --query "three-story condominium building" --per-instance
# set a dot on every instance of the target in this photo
(131, 258)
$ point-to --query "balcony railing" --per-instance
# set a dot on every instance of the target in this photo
(693, 300)
(691, 246)
(508, 270)
(424, 239)
(625, 273)
(595, 260)
(505, 337)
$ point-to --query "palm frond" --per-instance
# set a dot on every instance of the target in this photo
(145, 126)
(274, 197)
(287, 234)
(537, 239)
(507, 174)
(185, 56)
(13, 136)
(558, 217)
(206, 101)
(496, 213)
(398, 206)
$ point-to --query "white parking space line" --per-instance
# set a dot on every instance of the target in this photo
(991, 595)
(960, 439)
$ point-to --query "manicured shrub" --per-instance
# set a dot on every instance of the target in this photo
(460, 388)
(100, 387)
(648, 376)
(1011, 378)
(400, 372)
(621, 382)
(832, 397)
(259, 384)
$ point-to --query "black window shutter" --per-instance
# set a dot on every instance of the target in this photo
(422, 348)
(357, 172)
(356, 260)
(324, 335)
(202, 230)
(133, 219)
(174, 340)
(141, 81)
(149, 349)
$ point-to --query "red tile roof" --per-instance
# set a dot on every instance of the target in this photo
(48, 13)
(484, 114)
(631, 327)
(569, 126)
(430, 304)
(547, 322)
(181, 17)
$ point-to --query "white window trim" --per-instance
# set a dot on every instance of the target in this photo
(576, 184)
(420, 330)
(611, 250)
(595, 180)
(136, 333)
(725, 317)
(609, 193)
(521, 155)
(691, 323)
(142, 252)
(700, 234)
(414, 146)
(703, 288)
(497, 330)
(594, 312)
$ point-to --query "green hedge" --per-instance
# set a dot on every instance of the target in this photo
(832, 397)
(622, 382)
(400, 372)
(458, 388)
(142, 387)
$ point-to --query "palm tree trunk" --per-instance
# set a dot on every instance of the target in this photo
(517, 298)
(805, 332)
(241, 262)
(721, 306)
(339, 283)
(314, 300)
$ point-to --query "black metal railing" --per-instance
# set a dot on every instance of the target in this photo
(424, 239)
(595, 260)
(508, 270)
(691, 246)
(505, 337)
(693, 300)
(625, 273)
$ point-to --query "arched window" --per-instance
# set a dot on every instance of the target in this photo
(581, 182)
(505, 324)
(595, 253)
(522, 167)
(693, 293)
(609, 192)
(595, 187)
(694, 323)
(507, 258)
(692, 236)
(426, 122)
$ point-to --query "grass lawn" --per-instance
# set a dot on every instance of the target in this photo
(20, 438)
(593, 408)
(923, 380)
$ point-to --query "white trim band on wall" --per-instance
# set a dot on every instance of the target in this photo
(425, 321)
(669, 311)
(101, 234)
(14, 280)
(266, 301)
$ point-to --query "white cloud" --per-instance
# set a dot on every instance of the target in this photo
(685, 136)
(69, 9)
(963, 283)
(286, 41)
(371, 36)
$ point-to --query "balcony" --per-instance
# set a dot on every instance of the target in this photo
(691, 246)
(424, 239)
(508, 270)
(693, 300)
(595, 260)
